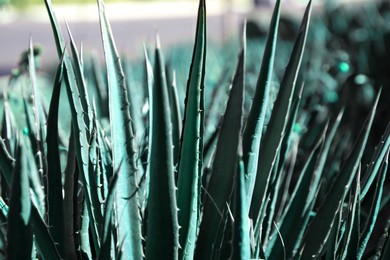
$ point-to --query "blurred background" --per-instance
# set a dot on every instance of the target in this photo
(133, 22)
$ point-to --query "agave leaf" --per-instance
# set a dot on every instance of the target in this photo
(385, 254)
(241, 241)
(6, 162)
(69, 190)
(123, 153)
(144, 192)
(43, 240)
(105, 153)
(135, 97)
(30, 129)
(85, 246)
(80, 80)
(267, 219)
(277, 124)
(19, 225)
(39, 114)
(375, 208)
(324, 155)
(383, 242)
(377, 159)
(255, 122)
(318, 231)
(278, 168)
(350, 248)
(225, 163)
(79, 120)
(35, 164)
(54, 175)
(163, 229)
(175, 117)
(287, 180)
(3, 231)
(288, 138)
(333, 237)
(8, 125)
(191, 149)
(216, 107)
(94, 175)
(102, 95)
(3, 207)
(105, 249)
(291, 224)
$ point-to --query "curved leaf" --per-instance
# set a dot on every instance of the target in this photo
(276, 127)
(19, 226)
(191, 149)
(224, 167)
(318, 231)
(80, 122)
(123, 152)
(162, 227)
(255, 122)
(54, 175)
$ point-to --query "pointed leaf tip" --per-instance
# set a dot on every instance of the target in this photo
(306, 18)
(158, 41)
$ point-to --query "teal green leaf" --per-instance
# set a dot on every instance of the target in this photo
(8, 127)
(85, 246)
(383, 243)
(79, 120)
(80, 80)
(105, 249)
(191, 148)
(288, 139)
(149, 84)
(385, 254)
(39, 115)
(3, 207)
(6, 162)
(292, 222)
(350, 247)
(375, 207)
(319, 229)
(43, 240)
(162, 227)
(19, 226)
(175, 117)
(324, 155)
(373, 168)
(69, 191)
(255, 122)
(54, 175)
(333, 238)
(241, 241)
(276, 127)
(123, 152)
(224, 167)
(94, 175)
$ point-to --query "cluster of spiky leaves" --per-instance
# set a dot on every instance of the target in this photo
(158, 185)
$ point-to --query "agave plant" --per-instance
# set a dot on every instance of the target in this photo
(154, 184)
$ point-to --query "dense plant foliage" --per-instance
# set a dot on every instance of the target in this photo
(147, 169)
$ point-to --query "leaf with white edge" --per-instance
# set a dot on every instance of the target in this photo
(276, 127)
(255, 122)
(123, 151)
(191, 149)
(319, 229)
